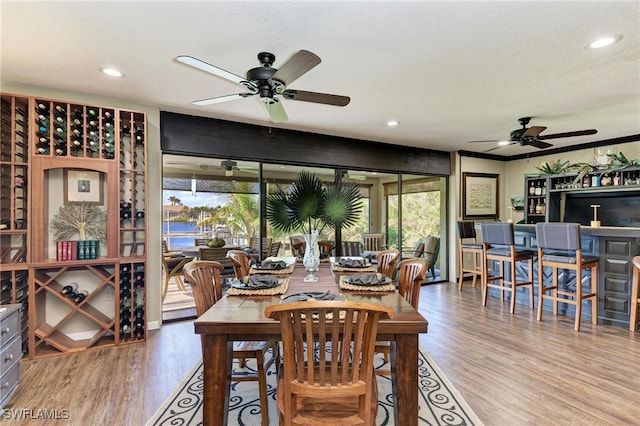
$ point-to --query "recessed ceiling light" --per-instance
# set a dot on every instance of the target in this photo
(111, 72)
(392, 123)
(604, 42)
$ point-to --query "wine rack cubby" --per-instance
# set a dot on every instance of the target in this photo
(43, 141)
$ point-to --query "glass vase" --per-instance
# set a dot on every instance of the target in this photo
(311, 259)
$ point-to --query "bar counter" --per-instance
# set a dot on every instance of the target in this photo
(616, 247)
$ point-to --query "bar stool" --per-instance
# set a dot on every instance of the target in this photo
(498, 245)
(563, 239)
(467, 231)
(635, 294)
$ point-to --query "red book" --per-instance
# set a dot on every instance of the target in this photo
(59, 251)
(69, 256)
(73, 246)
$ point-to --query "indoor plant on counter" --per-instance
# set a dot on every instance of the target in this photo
(308, 206)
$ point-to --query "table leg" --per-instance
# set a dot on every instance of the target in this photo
(217, 357)
(404, 376)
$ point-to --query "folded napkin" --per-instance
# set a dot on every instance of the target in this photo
(272, 264)
(366, 279)
(260, 281)
(351, 263)
(309, 295)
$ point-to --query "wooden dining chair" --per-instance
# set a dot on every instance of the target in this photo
(206, 282)
(201, 241)
(241, 262)
(172, 263)
(335, 385)
(387, 261)
(411, 273)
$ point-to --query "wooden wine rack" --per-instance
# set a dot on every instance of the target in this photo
(42, 141)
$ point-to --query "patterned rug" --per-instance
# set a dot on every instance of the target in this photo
(440, 403)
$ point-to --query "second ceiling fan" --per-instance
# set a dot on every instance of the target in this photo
(532, 135)
(269, 83)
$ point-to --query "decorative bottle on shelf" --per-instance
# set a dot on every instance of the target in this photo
(538, 189)
(616, 178)
(586, 181)
(532, 189)
(532, 207)
(538, 207)
(544, 188)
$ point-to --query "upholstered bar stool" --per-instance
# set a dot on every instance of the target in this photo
(469, 244)
(498, 245)
(635, 294)
(560, 247)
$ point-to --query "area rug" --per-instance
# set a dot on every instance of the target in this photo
(440, 403)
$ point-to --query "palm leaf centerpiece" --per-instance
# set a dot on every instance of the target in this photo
(309, 206)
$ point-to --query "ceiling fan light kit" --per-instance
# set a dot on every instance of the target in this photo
(268, 82)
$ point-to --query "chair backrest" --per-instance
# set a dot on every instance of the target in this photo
(351, 248)
(558, 236)
(497, 233)
(345, 333)
(217, 254)
(254, 243)
(431, 249)
(165, 247)
(418, 249)
(466, 229)
(186, 270)
(411, 274)
(326, 248)
(387, 261)
(373, 241)
(297, 249)
(206, 283)
(241, 262)
(201, 241)
(275, 248)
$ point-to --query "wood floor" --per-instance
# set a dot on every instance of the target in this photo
(511, 369)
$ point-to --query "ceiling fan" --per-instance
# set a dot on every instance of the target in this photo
(269, 83)
(346, 174)
(230, 166)
(530, 136)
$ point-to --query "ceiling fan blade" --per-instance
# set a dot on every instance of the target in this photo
(319, 98)
(533, 131)
(497, 147)
(275, 109)
(570, 134)
(211, 69)
(219, 99)
(539, 144)
(488, 140)
(300, 63)
(254, 171)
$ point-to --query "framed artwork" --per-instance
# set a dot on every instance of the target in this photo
(82, 186)
(480, 196)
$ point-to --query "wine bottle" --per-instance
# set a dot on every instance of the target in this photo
(81, 296)
(92, 112)
(77, 116)
(69, 288)
(43, 107)
(139, 136)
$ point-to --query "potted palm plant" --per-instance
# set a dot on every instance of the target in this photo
(311, 205)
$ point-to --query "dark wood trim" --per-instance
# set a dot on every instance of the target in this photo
(207, 137)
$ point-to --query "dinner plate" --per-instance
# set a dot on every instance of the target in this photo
(274, 282)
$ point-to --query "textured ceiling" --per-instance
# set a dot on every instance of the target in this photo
(450, 72)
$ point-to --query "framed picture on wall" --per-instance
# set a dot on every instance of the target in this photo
(480, 196)
(82, 186)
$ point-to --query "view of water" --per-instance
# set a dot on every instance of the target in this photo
(176, 242)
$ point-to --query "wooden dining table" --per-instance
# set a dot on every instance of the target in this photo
(241, 318)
